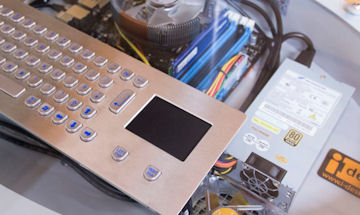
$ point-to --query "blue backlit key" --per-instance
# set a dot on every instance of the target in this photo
(88, 54)
(54, 54)
(140, 82)
(32, 61)
(126, 75)
(97, 96)
(87, 134)
(17, 17)
(8, 47)
(100, 61)
(47, 89)
(7, 29)
(34, 81)
(45, 109)
(122, 100)
(39, 29)
(9, 67)
(30, 42)
(92, 75)
(113, 68)
(6, 12)
(151, 173)
(32, 101)
(22, 74)
(57, 75)
(105, 82)
(20, 54)
(59, 118)
(83, 89)
(45, 68)
(87, 112)
(67, 61)
(73, 104)
(42, 48)
(63, 42)
(79, 68)
(18, 35)
(73, 126)
(119, 154)
(60, 96)
(51, 36)
(75, 48)
(28, 23)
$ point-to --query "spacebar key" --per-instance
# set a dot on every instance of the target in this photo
(123, 99)
(10, 87)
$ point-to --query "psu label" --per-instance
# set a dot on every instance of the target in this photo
(342, 171)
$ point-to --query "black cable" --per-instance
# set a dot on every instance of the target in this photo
(22, 138)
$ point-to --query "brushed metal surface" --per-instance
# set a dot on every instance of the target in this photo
(172, 189)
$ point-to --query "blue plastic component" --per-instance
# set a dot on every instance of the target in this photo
(210, 52)
(207, 81)
(200, 44)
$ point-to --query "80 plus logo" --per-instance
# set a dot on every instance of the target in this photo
(342, 171)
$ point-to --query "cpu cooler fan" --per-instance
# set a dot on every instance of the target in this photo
(162, 23)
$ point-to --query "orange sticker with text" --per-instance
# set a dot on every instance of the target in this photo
(342, 171)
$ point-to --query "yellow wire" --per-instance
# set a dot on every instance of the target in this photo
(143, 58)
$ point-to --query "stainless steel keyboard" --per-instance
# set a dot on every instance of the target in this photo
(78, 95)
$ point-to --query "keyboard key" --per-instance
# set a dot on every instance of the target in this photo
(42, 48)
(88, 54)
(63, 42)
(83, 89)
(9, 67)
(18, 35)
(39, 29)
(45, 109)
(79, 68)
(57, 75)
(8, 47)
(75, 48)
(29, 23)
(20, 54)
(34, 81)
(32, 61)
(30, 42)
(6, 12)
(7, 29)
(17, 17)
(92, 75)
(100, 61)
(119, 154)
(126, 75)
(113, 68)
(97, 96)
(22, 74)
(66, 61)
(105, 82)
(70, 82)
(87, 134)
(54, 54)
(74, 104)
(60, 96)
(73, 126)
(152, 173)
(87, 112)
(47, 89)
(51, 35)
(59, 118)
(32, 101)
(45, 68)
(122, 100)
(140, 82)
(10, 87)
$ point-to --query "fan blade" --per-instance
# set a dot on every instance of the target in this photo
(187, 10)
(160, 17)
(135, 10)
